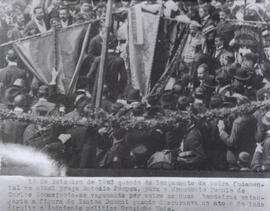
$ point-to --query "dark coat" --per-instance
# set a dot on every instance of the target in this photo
(242, 137)
(115, 76)
(260, 160)
(117, 156)
(193, 143)
(9, 74)
(94, 48)
(43, 107)
(45, 141)
(215, 149)
(12, 131)
(31, 28)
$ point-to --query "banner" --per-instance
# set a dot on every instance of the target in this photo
(247, 35)
(141, 55)
(41, 53)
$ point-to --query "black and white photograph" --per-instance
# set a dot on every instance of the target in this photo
(135, 88)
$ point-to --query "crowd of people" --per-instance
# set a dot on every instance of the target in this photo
(214, 72)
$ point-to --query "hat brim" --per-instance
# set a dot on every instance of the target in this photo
(265, 122)
(241, 79)
(209, 86)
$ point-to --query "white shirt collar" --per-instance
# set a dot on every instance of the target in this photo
(64, 23)
(41, 25)
(12, 63)
(18, 110)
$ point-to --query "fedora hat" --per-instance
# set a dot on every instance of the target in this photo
(199, 92)
(266, 119)
(251, 56)
(140, 151)
(210, 82)
(245, 158)
(167, 99)
(223, 76)
(242, 75)
(133, 96)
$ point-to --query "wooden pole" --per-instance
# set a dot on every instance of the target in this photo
(245, 9)
(104, 54)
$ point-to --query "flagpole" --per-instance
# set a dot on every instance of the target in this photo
(245, 9)
(80, 61)
(103, 54)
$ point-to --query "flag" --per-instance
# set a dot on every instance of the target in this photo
(143, 32)
(42, 53)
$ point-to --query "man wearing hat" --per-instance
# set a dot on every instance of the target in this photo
(264, 92)
(192, 153)
(45, 138)
(239, 86)
(167, 101)
(82, 142)
(18, 87)
(139, 155)
(43, 107)
(118, 156)
(224, 85)
(209, 85)
(240, 139)
(261, 157)
(10, 73)
(12, 130)
(82, 106)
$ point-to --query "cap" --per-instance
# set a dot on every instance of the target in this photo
(44, 89)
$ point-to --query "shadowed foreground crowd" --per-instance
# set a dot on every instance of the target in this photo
(215, 72)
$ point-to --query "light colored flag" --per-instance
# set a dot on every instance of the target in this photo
(41, 53)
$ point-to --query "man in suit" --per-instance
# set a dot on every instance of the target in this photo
(53, 10)
(9, 74)
(95, 45)
(17, 31)
(43, 107)
(65, 18)
(115, 74)
(192, 153)
(241, 138)
(261, 157)
(38, 24)
(12, 130)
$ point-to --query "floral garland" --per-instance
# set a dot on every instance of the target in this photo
(98, 118)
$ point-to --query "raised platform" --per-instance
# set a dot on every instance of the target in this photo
(161, 173)
(138, 173)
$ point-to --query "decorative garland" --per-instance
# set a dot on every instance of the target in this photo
(98, 119)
